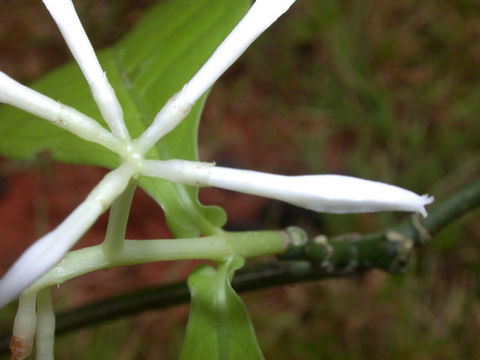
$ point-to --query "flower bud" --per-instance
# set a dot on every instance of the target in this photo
(323, 193)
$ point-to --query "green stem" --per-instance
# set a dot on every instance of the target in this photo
(257, 243)
(117, 221)
(216, 248)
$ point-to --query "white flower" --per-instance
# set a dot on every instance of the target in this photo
(49, 249)
(329, 193)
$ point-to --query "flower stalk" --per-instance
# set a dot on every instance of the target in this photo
(214, 248)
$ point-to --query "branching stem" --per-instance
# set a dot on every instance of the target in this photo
(215, 248)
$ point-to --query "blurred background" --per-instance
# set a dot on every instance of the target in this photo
(385, 90)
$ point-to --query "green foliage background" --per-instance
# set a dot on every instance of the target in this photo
(382, 90)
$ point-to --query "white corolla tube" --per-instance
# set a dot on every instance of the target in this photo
(50, 248)
(323, 193)
(45, 332)
(64, 14)
(259, 17)
(23, 336)
(58, 114)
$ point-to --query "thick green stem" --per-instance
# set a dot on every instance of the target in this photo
(117, 221)
(256, 243)
(215, 248)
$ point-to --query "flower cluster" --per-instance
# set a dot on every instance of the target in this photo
(325, 193)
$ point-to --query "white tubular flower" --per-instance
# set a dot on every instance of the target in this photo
(22, 97)
(171, 114)
(45, 332)
(24, 326)
(261, 15)
(64, 14)
(323, 193)
(50, 248)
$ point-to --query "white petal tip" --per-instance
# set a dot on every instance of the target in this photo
(425, 200)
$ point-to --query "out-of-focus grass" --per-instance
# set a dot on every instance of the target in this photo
(377, 89)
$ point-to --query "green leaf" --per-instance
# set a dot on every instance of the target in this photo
(146, 67)
(219, 327)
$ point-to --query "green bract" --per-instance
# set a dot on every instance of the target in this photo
(219, 327)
